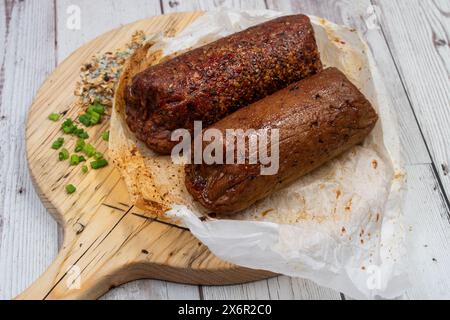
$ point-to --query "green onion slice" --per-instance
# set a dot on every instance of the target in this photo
(80, 145)
(74, 160)
(105, 136)
(64, 155)
(98, 164)
(58, 144)
(70, 189)
(97, 108)
(89, 150)
(54, 116)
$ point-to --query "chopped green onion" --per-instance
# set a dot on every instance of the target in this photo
(68, 130)
(74, 160)
(105, 135)
(68, 126)
(95, 118)
(98, 156)
(80, 133)
(68, 123)
(70, 189)
(80, 145)
(89, 150)
(54, 116)
(97, 108)
(83, 135)
(63, 155)
(99, 164)
(85, 119)
(82, 159)
(58, 143)
(93, 115)
(85, 169)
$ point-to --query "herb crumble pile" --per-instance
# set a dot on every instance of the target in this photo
(100, 75)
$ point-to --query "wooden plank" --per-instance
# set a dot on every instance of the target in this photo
(286, 288)
(2, 77)
(3, 36)
(97, 17)
(114, 14)
(418, 35)
(278, 288)
(424, 202)
(423, 61)
(427, 218)
(206, 5)
(356, 14)
(28, 236)
(152, 290)
(251, 291)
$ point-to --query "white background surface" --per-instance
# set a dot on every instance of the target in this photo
(411, 47)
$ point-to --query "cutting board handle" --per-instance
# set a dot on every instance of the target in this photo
(65, 282)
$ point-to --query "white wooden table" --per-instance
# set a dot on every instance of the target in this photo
(410, 40)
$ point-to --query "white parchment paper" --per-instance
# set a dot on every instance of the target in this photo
(340, 226)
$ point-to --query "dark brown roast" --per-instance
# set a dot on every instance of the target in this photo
(318, 119)
(213, 81)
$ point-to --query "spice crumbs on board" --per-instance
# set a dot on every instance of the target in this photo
(100, 75)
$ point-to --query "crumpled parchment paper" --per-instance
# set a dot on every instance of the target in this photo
(340, 226)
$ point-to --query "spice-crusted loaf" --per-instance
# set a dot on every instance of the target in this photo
(215, 80)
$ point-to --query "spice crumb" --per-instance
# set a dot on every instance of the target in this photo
(100, 75)
(265, 213)
(374, 164)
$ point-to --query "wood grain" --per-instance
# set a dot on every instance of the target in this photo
(3, 35)
(418, 35)
(419, 43)
(28, 233)
(97, 17)
(427, 219)
(206, 5)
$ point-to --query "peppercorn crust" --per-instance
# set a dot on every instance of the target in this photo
(208, 83)
(318, 119)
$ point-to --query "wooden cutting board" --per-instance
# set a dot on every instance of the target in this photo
(107, 241)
